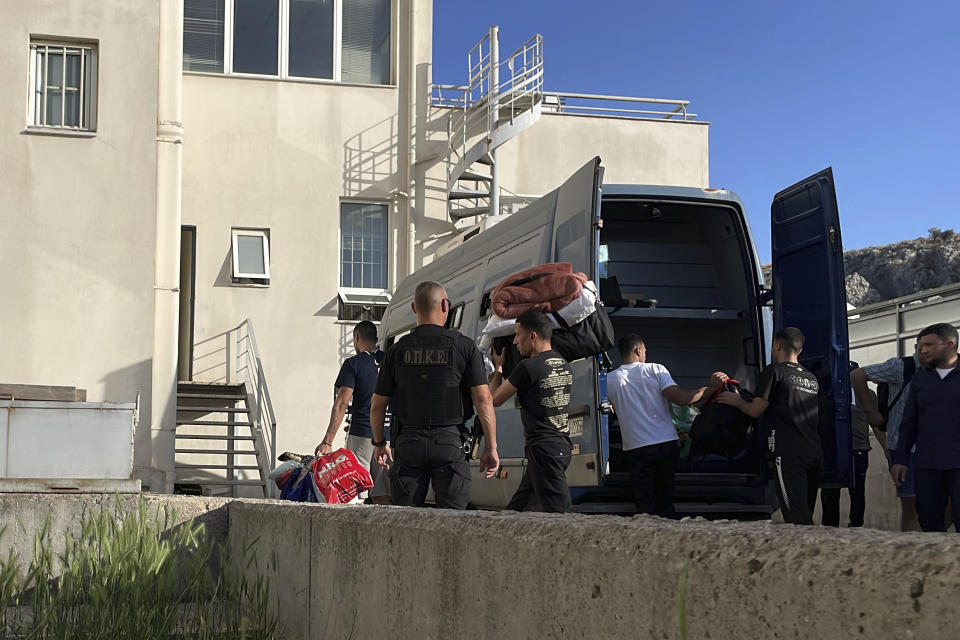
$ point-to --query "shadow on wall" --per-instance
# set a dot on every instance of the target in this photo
(434, 226)
(329, 309)
(370, 160)
(121, 385)
(346, 349)
(225, 275)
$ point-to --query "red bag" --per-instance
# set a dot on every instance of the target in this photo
(339, 476)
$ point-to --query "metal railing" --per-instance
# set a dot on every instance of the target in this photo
(487, 101)
(249, 369)
(232, 357)
(586, 104)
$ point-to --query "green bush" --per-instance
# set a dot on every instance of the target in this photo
(129, 575)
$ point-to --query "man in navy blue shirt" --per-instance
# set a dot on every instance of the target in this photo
(931, 419)
(354, 388)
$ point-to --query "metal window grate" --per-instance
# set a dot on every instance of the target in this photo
(63, 84)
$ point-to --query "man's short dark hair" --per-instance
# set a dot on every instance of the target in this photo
(536, 322)
(366, 331)
(790, 339)
(628, 343)
(428, 295)
(943, 330)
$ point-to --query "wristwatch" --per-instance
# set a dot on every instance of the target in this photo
(381, 443)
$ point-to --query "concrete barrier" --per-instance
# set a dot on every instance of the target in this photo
(381, 572)
(24, 514)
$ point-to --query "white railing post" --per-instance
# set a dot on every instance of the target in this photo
(493, 100)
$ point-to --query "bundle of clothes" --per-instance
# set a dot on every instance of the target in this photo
(569, 299)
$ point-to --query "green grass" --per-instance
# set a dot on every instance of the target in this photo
(132, 575)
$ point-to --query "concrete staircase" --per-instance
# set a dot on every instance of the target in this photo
(220, 449)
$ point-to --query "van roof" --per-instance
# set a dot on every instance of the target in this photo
(668, 191)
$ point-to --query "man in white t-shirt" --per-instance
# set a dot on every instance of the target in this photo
(640, 392)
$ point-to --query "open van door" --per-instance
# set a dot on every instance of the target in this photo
(576, 239)
(809, 293)
(576, 233)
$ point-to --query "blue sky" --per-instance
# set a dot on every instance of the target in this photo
(869, 88)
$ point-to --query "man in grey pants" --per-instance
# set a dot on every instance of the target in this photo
(355, 385)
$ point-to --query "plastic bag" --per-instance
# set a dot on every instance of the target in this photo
(339, 477)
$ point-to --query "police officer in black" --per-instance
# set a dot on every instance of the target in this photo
(428, 374)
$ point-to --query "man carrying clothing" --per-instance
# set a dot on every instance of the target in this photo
(787, 395)
(543, 382)
(931, 420)
(639, 392)
(428, 373)
(356, 382)
(896, 373)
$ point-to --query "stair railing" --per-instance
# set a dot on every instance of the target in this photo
(249, 368)
(512, 85)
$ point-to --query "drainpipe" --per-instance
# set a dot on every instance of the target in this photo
(166, 280)
(406, 79)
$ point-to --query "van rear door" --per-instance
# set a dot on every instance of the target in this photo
(809, 293)
(576, 238)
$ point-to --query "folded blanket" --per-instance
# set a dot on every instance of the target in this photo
(545, 288)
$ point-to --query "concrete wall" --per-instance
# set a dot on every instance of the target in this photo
(424, 573)
(661, 152)
(25, 514)
(409, 573)
(77, 213)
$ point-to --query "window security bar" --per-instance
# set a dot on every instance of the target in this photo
(70, 90)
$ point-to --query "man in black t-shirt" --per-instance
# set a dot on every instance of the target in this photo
(543, 382)
(787, 399)
(354, 388)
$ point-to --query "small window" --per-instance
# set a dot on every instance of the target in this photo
(251, 256)
(455, 317)
(362, 304)
(63, 85)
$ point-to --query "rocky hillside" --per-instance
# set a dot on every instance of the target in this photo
(875, 274)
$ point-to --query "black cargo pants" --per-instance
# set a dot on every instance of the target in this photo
(422, 455)
(544, 483)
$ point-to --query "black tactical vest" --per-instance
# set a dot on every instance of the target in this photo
(428, 373)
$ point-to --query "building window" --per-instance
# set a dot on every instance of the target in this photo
(251, 256)
(203, 35)
(363, 261)
(311, 43)
(361, 304)
(63, 85)
(365, 56)
(340, 40)
(363, 245)
(256, 31)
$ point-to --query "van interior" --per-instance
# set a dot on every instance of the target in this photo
(680, 274)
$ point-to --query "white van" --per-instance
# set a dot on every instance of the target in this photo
(690, 251)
